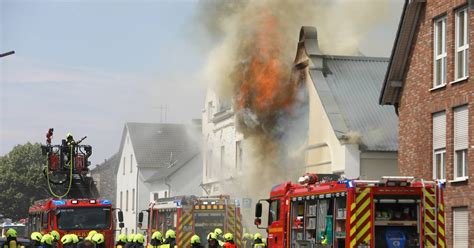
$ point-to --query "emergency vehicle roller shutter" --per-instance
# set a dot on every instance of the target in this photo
(361, 218)
(461, 227)
(184, 230)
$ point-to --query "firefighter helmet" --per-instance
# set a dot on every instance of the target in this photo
(36, 236)
(130, 237)
(98, 238)
(157, 235)
(195, 239)
(75, 238)
(257, 236)
(218, 231)
(211, 235)
(170, 234)
(55, 235)
(66, 239)
(11, 233)
(47, 239)
(122, 238)
(90, 235)
(138, 238)
(68, 135)
(228, 237)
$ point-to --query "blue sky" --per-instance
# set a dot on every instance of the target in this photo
(90, 66)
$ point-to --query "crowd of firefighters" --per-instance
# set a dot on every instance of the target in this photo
(94, 239)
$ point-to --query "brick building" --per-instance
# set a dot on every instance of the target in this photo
(428, 83)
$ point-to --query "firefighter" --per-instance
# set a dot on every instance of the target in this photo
(47, 241)
(36, 238)
(212, 241)
(170, 238)
(229, 241)
(121, 241)
(220, 236)
(196, 241)
(99, 240)
(257, 240)
(75, 239)
(56, 237)
(67, 241)
(139, 240)
(11, 241)
(156, 240)
(247, 240)
(130, 243)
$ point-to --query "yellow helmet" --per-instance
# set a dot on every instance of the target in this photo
(90, 235)
(218, 231)
(36, 236)
(138, 238)
(157, 235)
(257, 236)
(228, 237)
(66, 239)
(98, 238)
(11, 233)
(75, 238)
(55, 235)
(68, 135)
(130, 237)
(47, 239)
(195, 239)
(122, 238)
(170, 234)
(211, 235)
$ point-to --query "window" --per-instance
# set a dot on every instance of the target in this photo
(462, 44)
(439, 52)
(126, 201)
(156, 196)
(461, 126)
(274, 213)
(123, 171)
(121, 198)
(222, 157)
(133, 199)
(131, 163)
(460, 227)
(210, 111)
(439, 145)
(238, 156)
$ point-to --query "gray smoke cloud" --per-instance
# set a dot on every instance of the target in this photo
(252, 65)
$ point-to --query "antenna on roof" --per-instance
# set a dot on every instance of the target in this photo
(171, 163)
(163, 113)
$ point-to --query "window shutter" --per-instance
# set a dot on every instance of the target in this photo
(461, 122)
(461, 227)
(439, 130)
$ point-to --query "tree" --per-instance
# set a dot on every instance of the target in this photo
(21, 180)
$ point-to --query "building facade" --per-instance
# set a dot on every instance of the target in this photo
(156, 161)
(347, 132)
(428, 82)
(105, 178)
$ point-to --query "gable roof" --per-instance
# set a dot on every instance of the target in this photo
(395, 75)
(159, 145)
(349, 88)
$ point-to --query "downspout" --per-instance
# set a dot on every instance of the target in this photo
(137, 201)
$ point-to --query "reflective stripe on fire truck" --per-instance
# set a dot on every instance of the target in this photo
(429, 206)
(441, 219)
(230, 219)
(360, 221)
(185, 230)
(238, 228)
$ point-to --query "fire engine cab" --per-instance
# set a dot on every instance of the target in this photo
(333, 212)
(77, 216)
(189, 215)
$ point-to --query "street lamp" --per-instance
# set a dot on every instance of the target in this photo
(6, 54)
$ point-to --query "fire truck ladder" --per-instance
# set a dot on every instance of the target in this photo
(430, 213)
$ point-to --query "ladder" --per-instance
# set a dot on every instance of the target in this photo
(430, 213)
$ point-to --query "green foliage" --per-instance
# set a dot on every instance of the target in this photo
(21, 180)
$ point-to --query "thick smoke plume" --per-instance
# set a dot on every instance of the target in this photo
(252, 66)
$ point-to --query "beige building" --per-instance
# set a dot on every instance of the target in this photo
(349, 133)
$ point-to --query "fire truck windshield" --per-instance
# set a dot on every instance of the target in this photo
(96, 218)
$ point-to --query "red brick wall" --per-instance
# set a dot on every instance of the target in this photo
(418, 104)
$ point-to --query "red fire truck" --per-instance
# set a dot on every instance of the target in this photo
(78, 216)
(189, 215)
(391, 212)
